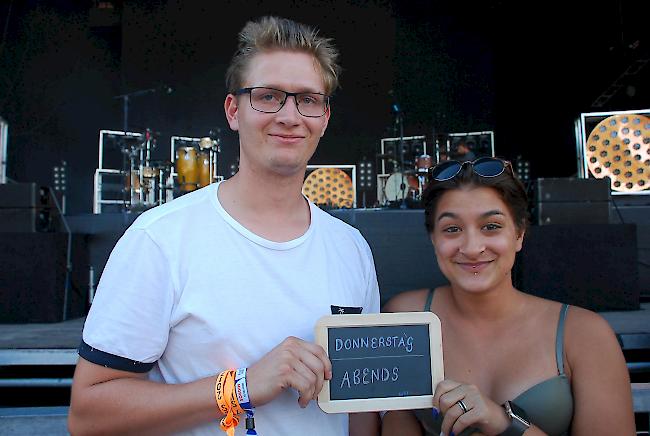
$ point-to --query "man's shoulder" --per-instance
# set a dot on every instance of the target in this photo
(336, 224)
(184, 207)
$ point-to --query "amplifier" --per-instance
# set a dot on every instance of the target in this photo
(571, 190)
(24, 195)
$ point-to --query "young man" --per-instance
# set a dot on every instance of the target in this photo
(234, 275)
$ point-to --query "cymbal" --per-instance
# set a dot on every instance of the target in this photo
(207, 143)
(619, 148)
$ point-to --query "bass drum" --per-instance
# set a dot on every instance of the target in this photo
(393, 191)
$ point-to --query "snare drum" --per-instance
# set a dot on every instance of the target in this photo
(423, 163)
(187, 168)
(393, 190)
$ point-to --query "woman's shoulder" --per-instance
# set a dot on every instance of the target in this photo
(580, 323)
(585, 327)
(407, 301)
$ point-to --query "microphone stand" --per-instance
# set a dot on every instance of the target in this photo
(125, 127)
(399, 121)
(125, 103)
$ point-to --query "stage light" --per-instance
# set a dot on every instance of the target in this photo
(59, 174)
(618, 148)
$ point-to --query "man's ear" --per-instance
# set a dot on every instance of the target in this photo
(231, 108)
(327, 119)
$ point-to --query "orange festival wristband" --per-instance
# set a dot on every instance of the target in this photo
(227, 402)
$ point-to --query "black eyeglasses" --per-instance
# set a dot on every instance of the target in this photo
(484, 167)
(271, 100)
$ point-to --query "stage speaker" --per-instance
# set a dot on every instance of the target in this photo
(26, 207)
(571, 201)
(35, 219)
(32, 277)
(591, 266)
(24, 195)
(571, 213)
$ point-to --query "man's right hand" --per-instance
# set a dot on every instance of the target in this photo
(294, 363)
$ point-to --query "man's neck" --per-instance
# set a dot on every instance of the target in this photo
(272, 206)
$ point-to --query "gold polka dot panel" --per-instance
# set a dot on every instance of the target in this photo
(330, 187)
(619, 148)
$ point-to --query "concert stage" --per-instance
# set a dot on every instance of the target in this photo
(405, 259)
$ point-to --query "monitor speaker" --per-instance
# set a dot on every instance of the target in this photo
(24, 195)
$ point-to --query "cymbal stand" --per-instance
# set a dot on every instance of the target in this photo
(215, 135)
(145, 162)
(161, 186)
(141, 165)
(132, 168)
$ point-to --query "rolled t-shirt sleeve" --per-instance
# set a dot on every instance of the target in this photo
(128, 323)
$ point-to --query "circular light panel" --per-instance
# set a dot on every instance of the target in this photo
(330, 187)
(619, 148)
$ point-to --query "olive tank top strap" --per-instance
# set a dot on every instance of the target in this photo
(427, 305)
(559, 340)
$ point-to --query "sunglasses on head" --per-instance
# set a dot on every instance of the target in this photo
(484, 167)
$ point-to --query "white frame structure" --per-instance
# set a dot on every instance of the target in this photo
(486, 132)
(383, 141)
(98, 197)
(172, 155)
(382, 176)
(4, 138)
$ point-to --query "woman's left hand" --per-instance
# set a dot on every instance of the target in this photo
(464, 406)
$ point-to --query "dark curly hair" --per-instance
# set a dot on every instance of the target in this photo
(507, 185)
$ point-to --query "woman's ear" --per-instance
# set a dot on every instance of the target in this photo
(520, 239)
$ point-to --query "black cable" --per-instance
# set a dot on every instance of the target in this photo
(618, 211)
(6, 28)
(68, 259)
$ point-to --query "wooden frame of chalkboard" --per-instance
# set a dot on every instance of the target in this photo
(384, 361)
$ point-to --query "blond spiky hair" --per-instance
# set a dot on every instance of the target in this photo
(274, 33)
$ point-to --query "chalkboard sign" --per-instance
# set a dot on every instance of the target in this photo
(386, 361)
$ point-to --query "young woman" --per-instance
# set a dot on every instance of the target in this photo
(514, 363)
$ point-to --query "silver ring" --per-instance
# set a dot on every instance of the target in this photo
(462, 406)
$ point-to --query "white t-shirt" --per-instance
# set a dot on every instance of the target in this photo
(190, 292)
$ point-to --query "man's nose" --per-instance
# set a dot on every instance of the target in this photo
(289, 111)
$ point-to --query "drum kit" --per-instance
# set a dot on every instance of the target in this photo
(149, 183)
(407, 186)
